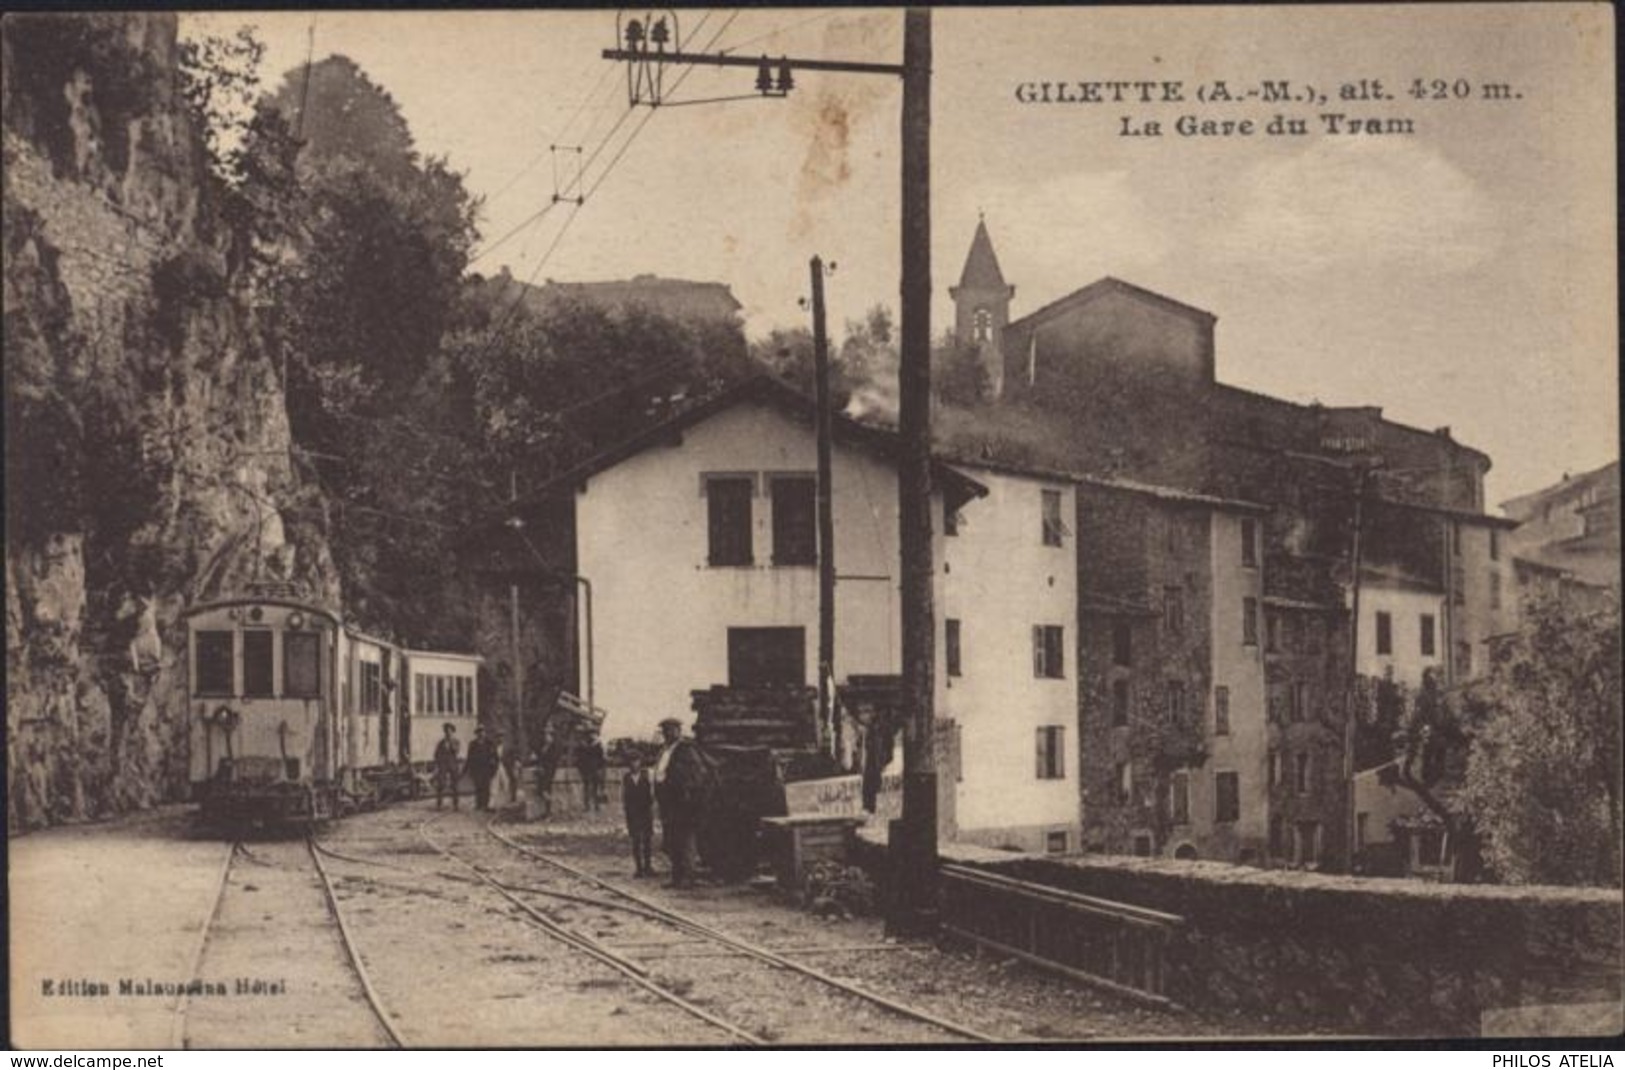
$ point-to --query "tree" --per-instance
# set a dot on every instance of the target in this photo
(1542, 776)
(959, 373)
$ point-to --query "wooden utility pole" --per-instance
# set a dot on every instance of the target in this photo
(913, 849)
(913, 837)
(826, 516)
(517, 723)
(1350, 821)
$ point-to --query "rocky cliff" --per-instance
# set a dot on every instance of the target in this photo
(148, 459)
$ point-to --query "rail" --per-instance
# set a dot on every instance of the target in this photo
(695, 928)
(1116, 946)
(350, 950)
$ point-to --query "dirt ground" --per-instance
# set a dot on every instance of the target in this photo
(457, 965)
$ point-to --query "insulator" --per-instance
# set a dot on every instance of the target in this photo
(659, 34)
(634, 33)
(764, 78)
(786, 81)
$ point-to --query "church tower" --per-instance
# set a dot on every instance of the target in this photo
(982, 305)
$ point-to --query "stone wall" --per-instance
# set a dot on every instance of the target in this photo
(148, 461)
(1360, 955)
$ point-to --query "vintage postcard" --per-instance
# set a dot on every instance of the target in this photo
(812, 527)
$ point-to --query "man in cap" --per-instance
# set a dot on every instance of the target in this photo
(445, 766)
(482, 766)
(680, 775)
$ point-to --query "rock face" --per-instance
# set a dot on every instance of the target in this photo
(148, 459)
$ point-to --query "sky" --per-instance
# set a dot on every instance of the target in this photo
(1460, 275)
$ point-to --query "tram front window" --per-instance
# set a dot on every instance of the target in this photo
(214, 658)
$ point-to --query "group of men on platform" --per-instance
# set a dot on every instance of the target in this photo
(675, 786)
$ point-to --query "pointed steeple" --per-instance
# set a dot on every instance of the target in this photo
(982, 264)
(982, 304)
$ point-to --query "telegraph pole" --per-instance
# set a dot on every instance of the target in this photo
(913, 838)
(517, 723)
(1350, 821)
(826, 515)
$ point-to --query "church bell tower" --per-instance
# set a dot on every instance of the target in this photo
(982, 305)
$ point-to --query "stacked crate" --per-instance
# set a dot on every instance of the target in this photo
(779, 718)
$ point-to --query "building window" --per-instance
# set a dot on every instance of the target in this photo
(1495, 544)
(1385, 633)
(1427, 635)
(1227, 797)
(1123, 782)
(1277, 836)
(1300, 772)
(1360, 830)
(981, 325)
(766, 657)
(1051, 752)
(1464, 659)
(950, 519)
(302, 665)
(1142, 845)
(1176, 700)
(951, 642)
(1173, 609)
(1272, 631)
(1221, 711)
(1055, 842)
(1298, 709)
(215, 656)
(1054, 530)
(1122, 643)
(1119, 702)
(1458, 584)
(1179, 798)
(1048, 652)
(1307, 849)
(1495, 590)
(257, 672)
(1249, 543)
(795, 527)
(728, 508)
(1249, 621)
(1455, 539)
(1275, 769)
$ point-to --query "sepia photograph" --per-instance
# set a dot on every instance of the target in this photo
(813, 527)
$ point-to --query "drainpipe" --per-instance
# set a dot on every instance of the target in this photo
(586, 635)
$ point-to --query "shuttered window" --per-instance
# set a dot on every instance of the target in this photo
(728, 512)
(1052, 752)
(795, 538)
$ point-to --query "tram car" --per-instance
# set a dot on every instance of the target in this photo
(298, 717)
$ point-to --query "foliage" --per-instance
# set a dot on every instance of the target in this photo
(1543, 772)
(959, 374)
(219, 80)
(789, 354)
(832, 888)
(1162, 742)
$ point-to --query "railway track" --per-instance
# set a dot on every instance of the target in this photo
(606, 895)
(284, 874)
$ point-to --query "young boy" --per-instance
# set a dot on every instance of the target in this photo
(638, 801)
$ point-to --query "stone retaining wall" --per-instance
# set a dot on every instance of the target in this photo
(1365, 955)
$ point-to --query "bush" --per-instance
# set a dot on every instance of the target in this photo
(833, 888)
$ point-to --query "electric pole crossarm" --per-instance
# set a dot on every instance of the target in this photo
(706, 60)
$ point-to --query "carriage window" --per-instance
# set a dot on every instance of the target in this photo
(214, 663)
(371, 687)
(257, 674)
(417, 693)
(302, 664)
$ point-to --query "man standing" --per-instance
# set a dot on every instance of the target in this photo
(590, 763)
(680, 777)
(482, 766)
(446, 770)
(638, 803)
